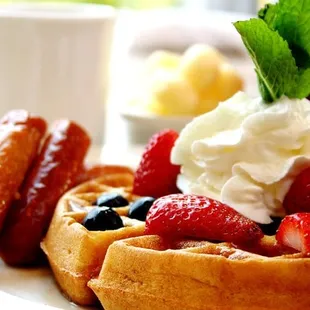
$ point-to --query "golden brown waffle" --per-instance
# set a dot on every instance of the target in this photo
(145, 273)
(76, 254)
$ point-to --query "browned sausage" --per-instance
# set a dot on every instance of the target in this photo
(96, 171)
(53, 173)
(20, 136)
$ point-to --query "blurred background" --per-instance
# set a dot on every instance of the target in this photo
(248, 6)
(173, 25)
(144, 27)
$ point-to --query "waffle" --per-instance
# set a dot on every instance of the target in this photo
(76, 254)
(147, 273)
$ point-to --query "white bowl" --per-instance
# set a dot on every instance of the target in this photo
(141, 127)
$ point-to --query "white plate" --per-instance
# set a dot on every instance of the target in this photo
(8, 302)
(142, 126)
(25, 286)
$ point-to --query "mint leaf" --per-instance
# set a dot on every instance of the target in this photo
(279, 44)
(268, 14)
(275, 65)
(302, 89)
(293, 24)
(263, 89)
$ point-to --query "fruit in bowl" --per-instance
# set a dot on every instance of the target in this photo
(185, 85)
(175, 88)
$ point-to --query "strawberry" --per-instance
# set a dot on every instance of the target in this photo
(294, 232)
(156, 176)
(199, 217)
(298, 197)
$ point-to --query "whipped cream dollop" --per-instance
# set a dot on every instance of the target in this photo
(246, 154)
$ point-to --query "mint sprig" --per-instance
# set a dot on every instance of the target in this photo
(275, 65)
(293, 24)
(279, 44)
(268, 14)
(302, 89)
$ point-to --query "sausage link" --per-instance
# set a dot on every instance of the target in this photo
(20, 137)
(53, 173)
(96, 171)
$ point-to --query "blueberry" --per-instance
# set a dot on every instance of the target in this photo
(101, 219)
(139, 208)
(271, 229)
(111, 200)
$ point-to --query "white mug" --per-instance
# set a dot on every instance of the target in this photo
(54, 61)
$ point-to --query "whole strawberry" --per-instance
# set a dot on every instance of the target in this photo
(195, 216)
(294, 232)
(156, 176)
(298, 197)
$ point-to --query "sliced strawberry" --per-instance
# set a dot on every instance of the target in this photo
(294, 232)
(298, 197)
(156, 176)
(195, 216)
